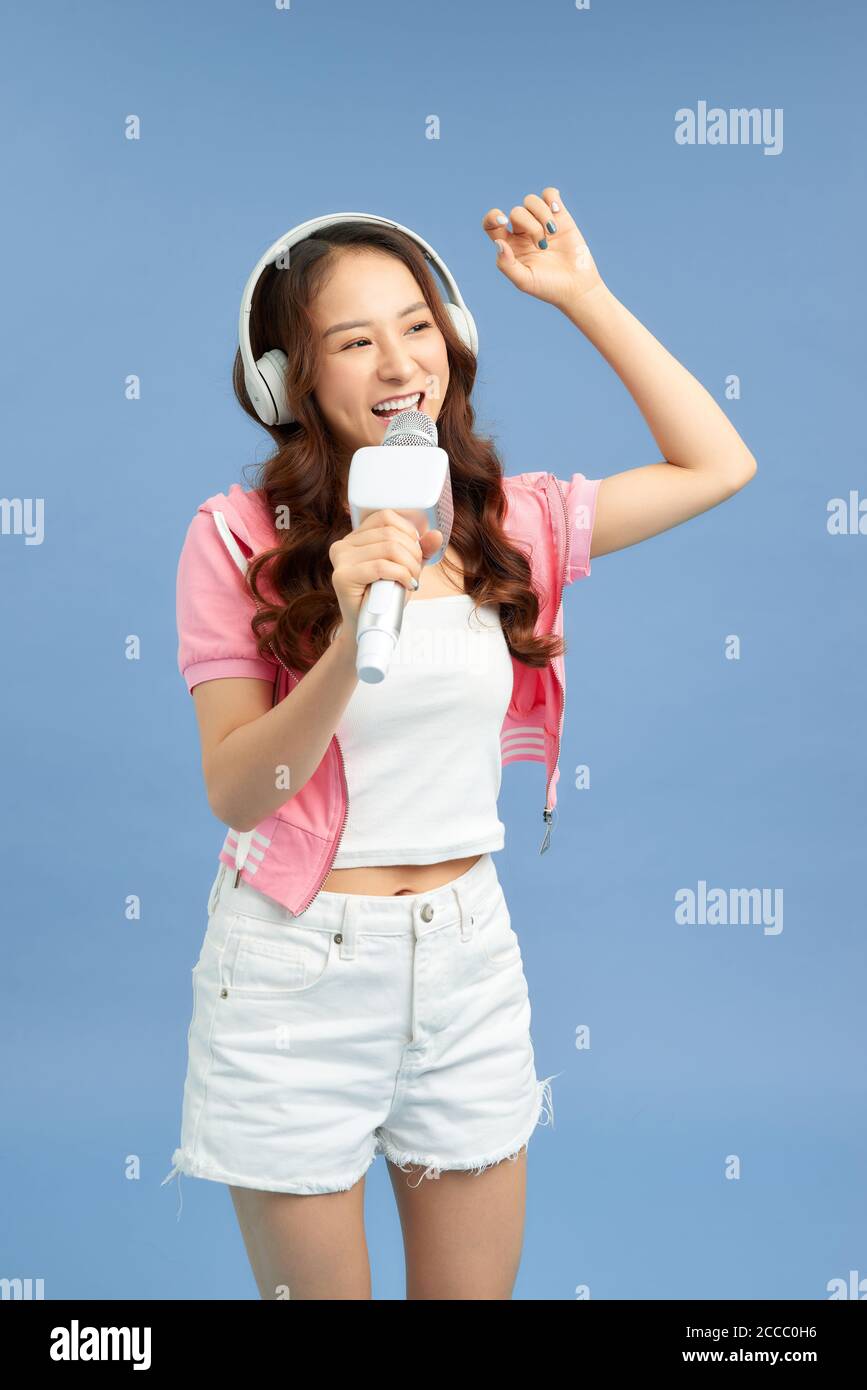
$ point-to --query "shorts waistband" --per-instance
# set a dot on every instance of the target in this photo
(407, 914)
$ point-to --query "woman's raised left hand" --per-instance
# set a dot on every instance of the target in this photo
(558, 272)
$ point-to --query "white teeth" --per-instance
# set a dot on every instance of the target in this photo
(403, 403)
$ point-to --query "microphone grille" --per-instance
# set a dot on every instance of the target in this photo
(411, 427)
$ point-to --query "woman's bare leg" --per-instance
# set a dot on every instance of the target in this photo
(305, 1247)
(463, 1231)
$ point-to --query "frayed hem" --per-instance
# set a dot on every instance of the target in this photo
(405, 1160)
(305, 1187)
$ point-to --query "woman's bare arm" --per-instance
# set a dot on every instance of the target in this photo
(247, 746)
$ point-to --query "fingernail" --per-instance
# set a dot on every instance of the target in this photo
(543, 244)
(415, 583)
(555, 207)
(552, 227)
(501, 219)
(500, 247)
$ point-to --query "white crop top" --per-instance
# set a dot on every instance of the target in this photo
(421, 749)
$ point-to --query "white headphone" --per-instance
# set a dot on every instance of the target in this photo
(265, 378)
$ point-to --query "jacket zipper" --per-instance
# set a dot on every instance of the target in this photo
(548, 814)
(336, 849)
(296, 679)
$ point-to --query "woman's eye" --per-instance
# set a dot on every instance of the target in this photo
(425, 324)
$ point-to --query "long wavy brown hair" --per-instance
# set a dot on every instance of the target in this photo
(305, 480)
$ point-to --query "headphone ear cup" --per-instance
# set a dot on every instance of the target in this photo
(269, 398)
(464, 326)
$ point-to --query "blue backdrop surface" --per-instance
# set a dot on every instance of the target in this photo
(709, 1136)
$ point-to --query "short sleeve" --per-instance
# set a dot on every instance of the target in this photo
(580, 494)
(214, 611)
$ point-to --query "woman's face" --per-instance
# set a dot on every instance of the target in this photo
(392, 348)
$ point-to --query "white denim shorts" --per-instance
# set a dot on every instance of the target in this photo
(366, 1025)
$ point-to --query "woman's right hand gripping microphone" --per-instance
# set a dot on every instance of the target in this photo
(400, 493)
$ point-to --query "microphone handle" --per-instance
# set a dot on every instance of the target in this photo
(379, 622)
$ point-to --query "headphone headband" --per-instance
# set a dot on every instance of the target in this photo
(265, 379)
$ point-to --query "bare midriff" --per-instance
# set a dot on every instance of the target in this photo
(385, 880)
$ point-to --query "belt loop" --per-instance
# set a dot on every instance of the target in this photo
(467, 918)
(347, 930)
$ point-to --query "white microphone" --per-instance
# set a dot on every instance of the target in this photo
(408, 473)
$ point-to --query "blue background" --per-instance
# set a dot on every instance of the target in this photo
(128, 257)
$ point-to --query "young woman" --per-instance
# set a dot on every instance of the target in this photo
(360, 988)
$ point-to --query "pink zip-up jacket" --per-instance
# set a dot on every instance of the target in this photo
(289, 854)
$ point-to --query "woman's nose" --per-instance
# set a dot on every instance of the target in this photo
(396, 363)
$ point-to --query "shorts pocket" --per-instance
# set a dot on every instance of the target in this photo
(294, 961)
(500, 945)
(195, 985)
(215, 889)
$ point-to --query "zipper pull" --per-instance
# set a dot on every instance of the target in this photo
(548, 817)
(245, 839)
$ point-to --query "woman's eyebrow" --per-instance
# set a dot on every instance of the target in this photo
(365, 323)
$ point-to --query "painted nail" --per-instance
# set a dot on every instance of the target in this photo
(415, 583)
(552, 227)
(555, 207)
(543, 244)
(501, 219)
